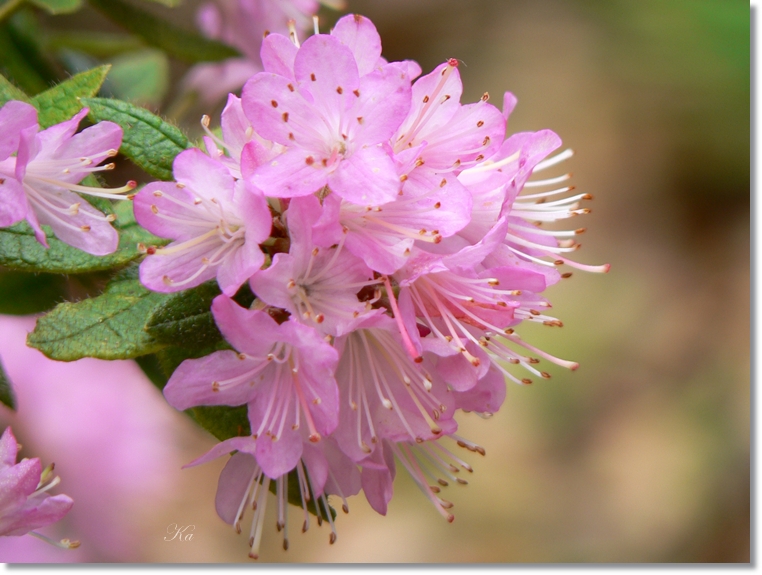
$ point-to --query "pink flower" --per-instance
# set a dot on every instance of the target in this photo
(321, 471)
(317, 286)
(24, 502)
(40, 182)
(423, 461)
(385, 394)
(217, 224)
(284, 373)
(427, 209)
(333, 121)
(444, 134)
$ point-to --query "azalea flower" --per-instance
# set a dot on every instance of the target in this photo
(217, 224)
(322, 470)
(25, 503)
(284, 373)
(333, 121)
(41, 182)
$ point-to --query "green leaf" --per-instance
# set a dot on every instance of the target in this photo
(141, 77)
(222, 421)
(152, 369)
(61, 102)
(23, 293)
(186, 316)
(98, 44)
(148, 141)
(58, 6)
(182, 44)
(16, 64)
(20, 251)
(7, 397)
(169, 3)
(109, 326)
(10, 92)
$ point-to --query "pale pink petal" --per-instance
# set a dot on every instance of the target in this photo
(233, 484)
(367, 177)
(160, 199)
(249, 331)
(207, 178)
(278, 457)
(278, 54)
(14, 117)
(361, 37)
(14, 206)
(192, 383)
(327, 70)
(293, 174)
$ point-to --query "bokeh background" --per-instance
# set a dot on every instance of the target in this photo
(642, 455)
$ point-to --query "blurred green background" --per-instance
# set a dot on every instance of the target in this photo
(642, 455)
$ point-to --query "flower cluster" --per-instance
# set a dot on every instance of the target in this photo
(385, 230)
(25, 503)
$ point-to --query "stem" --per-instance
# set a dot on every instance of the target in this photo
(9, 8)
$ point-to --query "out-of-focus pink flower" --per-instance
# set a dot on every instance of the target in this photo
(244, 24)
(113, 439)
(217, 224)
(25, 503)
(39, 183)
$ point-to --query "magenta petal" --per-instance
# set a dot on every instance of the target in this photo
(278, 457)
(249, 331)
(193, 382)
(359, 35)
(14, 117)
(233, 485)
(14, 206)
(278, 54)
(367, 177)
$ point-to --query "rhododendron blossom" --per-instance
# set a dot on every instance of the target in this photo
(40, 184)
(378, 245)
